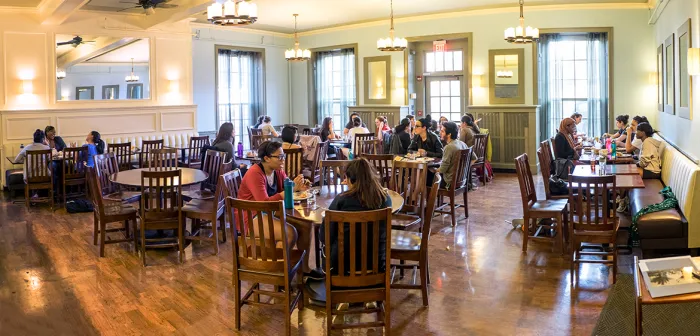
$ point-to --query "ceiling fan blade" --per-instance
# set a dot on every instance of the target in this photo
(64, 43)
(165, 6)
(129, 2)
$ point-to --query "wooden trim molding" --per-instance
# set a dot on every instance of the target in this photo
(311, 79)
(387, 80)
(520, 99)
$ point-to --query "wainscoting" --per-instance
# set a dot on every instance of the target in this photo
(368, 113)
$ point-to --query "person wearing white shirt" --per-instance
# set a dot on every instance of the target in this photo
(357, 129)
(39, 144)
(633, 145)
(267, 128)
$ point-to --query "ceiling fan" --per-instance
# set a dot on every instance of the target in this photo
(148, 6)
(76, 41)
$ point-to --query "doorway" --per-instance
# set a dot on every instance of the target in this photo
(444, 97)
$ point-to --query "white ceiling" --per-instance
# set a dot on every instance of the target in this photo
(276, 15)
(138, 50)
(119, 5)
(20, 3)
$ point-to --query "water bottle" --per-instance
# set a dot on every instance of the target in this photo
(351, 155)
(608, 144)
(613, 153)
(240, 149)
(288, 193)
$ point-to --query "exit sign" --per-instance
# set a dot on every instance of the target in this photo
(439, 46)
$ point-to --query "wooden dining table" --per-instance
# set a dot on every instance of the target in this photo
(618, 169)
(618, 160)
(132, 178)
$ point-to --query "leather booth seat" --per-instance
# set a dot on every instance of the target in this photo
(666, 229)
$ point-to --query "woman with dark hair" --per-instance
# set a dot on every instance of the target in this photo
(620, 135)
(632, 144)
(475, 125)
(466, 130)
(351, 124)
(425, 142)
(224, 143)
(95, 146)
(54, 141)
(364, 193)
(564, 145)
(382, 126)
(289, 137)
(328, 134)
(401, 131)
(260, 121)
(357, 128)
(441, 123)
(267, 128)
(650, 152)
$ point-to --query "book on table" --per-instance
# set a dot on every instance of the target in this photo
(670, 276)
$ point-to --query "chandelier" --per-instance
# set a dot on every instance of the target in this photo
(392, 43)
(505, 73)
(232, 13)
(60, 74)
(522, 34)
(297, 54)
(132, 78)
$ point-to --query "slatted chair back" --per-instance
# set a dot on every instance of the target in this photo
(546, 147)
(195, 149)
(122, 152)
(319, 155)
(232, 182)
(591, 199)
(373, 146)
(431, 204)
(257, 140)
(481, 142)
(95, 187)
(316, 131)
(358, 247)
(256, 248)
(37, 166)
(293, 158)
(106, 165)
(146, 147)
(358, 138)
(409, 180)
(73, 167)
(333, 171)
(161, 196)
(462, 169)
(384, 164)
(214, 166)
(545, 169)
(162, 159)
(528, 192)
(306, 131)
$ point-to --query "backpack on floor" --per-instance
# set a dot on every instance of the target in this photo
(79, 205)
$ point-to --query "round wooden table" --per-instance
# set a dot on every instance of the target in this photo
(132, 178)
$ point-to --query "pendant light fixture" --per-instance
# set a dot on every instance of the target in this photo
(505, 73)
(233, 13)
(60, 74)
(132, 78)
(297, 54)
(522, 34)
(392, 43)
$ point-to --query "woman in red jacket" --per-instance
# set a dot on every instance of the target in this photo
(265, 182)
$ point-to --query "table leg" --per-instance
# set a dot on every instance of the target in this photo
(317, 245)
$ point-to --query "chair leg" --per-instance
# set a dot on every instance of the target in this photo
(452, 210)
(387, 314)
(401, 262)
(215, 235)
(26, 196)
(181, 241)
(135, 236)
(300, 288)
(127, 232)
(560, 233)
(95, 228)
(615, 263)
(288, 314)
(222, 222)
(329, 316)
(466, 204)
(237, 301)
(423, 265)
(526, 232)
(574, 252)
(103, 229)
(143, 244)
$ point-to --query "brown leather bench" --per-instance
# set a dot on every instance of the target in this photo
(673, 228)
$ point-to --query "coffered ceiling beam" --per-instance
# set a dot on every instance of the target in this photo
(184, 10)
(55, 12)
(85, 52)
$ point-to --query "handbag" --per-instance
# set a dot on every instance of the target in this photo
(557, 186)
(562, 168)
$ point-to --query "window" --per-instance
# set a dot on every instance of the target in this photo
(445, 97)
(334, 85)
(573, 78)
(443, 61)
(239, 89)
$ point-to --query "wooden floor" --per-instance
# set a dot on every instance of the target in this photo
(52, 282)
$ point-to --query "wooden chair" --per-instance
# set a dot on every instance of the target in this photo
(413, 246)
(337, 167)
(293, 158)
(161, 207)
(460, 185)
(358, 274)
(316, 131)
(232, 182)
(384, 164)
(214, 166)
(106, 165)
(38, 176)
(256, 140)
(545, 168)
(74, 183)
(306, 131)
(373, 146)
(409, 180)
(481, 142)
(359, 137)
(162, 159)
(122, 152)
(313, 173)
(261, 257)
(593, 219)
(210, 211)
(146, 148)
(194, 152)
(106, 212)
(253, 131)
(534, 209)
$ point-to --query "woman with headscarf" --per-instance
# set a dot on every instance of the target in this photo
(564, 146)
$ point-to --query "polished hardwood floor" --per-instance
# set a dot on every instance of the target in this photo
(52, 282)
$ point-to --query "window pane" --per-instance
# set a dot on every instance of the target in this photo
(439, 61)
(337, 93)
(581, 49)
(434, 104)
(455, 105)
(582, 88)
(581, 70)
(445, 88)
(434, 88)
(449, 64)
(429, 62)
(568, 89)
(566, 49)
(455, 88)
(568, 107)
(445, 104)
(458, 60)
(582, 107)
(568, 70)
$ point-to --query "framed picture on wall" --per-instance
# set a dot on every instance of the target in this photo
(685, 90)
(660, 85)
(669, 76)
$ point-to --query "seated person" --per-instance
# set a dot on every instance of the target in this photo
(95, 146)
(224, 143)
(449, 160)
(578, 117)
(259, 122)
(289, 137)
(264, 182)
(382, 126)
(619, 136)
(466, 130)
(564, 146)
(54, 141)
(402, 133)
(425, 142)
(364, 193)
(650, 152)
(267, 128)
(350, 123)
(39, 144)
(358, 128)
(632, 144)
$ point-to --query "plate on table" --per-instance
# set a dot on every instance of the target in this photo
(302, 195)
(624, 155)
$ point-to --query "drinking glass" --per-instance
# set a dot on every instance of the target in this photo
(602, 161)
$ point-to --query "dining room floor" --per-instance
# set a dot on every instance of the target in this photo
(52, 281)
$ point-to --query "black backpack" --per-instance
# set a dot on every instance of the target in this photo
(79, 205)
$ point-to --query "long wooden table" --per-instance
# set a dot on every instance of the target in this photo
(626, 175)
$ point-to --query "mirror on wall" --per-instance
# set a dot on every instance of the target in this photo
(377, 80)
(506, 76)
(108, 63)
(660, 77)
(669, 76)
(684, 88)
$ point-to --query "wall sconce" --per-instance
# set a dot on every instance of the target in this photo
(27, 87)
(174, 86)
(694, 61)
(477, 81)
